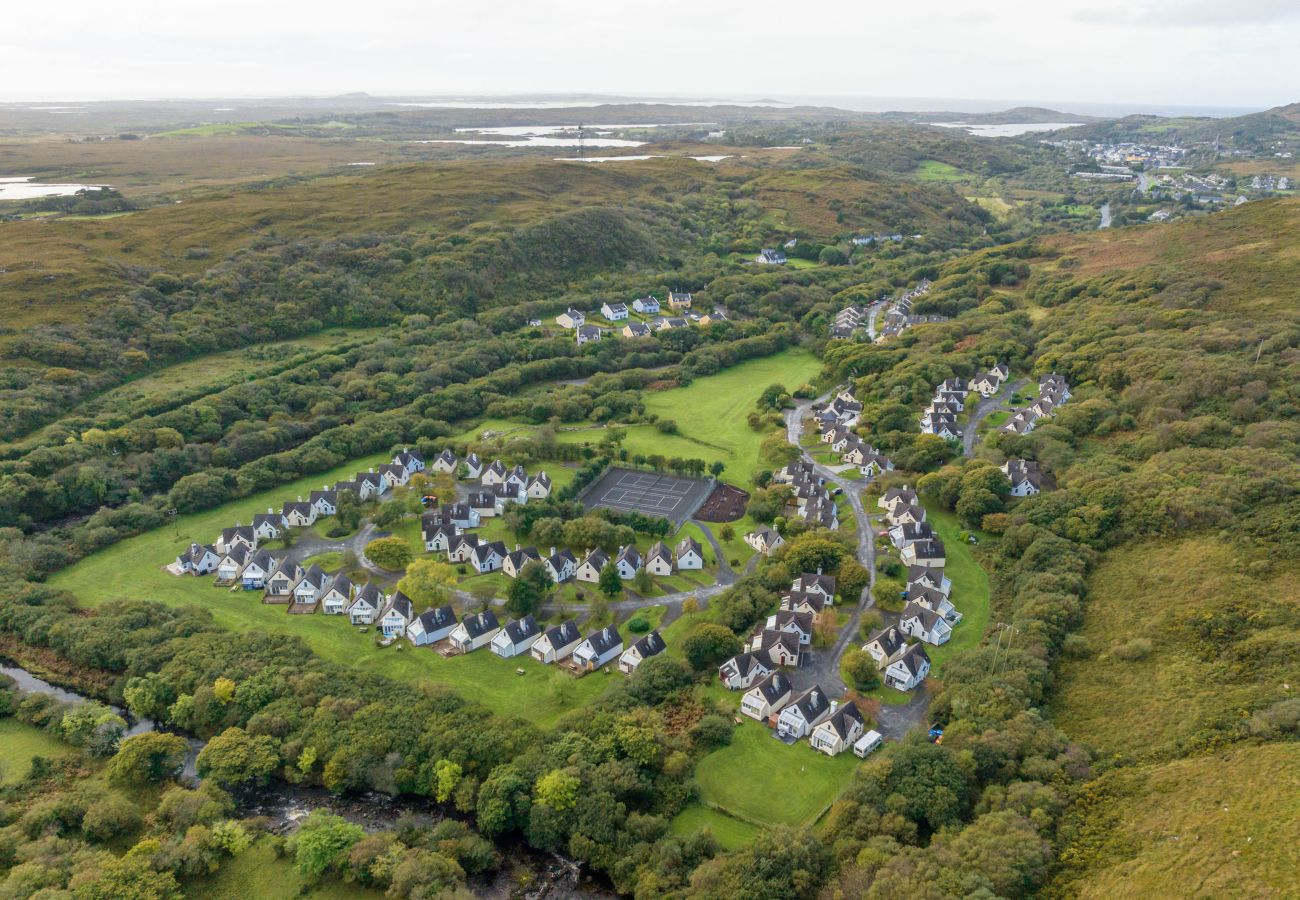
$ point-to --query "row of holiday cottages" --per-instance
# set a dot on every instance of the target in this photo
(898, 315)
(812, 499)
(1053, 392)
(949, 399)
(835, 421)
(678, 301)
(235, 548)
(768, 692)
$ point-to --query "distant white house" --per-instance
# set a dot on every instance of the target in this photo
(770, 257)
(924, 624)
(588, 334)
(615, 312)
(647, 305)
(764, 539)
(742, 670)
(571, 318)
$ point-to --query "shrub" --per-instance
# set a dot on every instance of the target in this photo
(108, 818)
(1076, 646)
(1138, 648)
(638, 625)
(711, 731)
(391, 553)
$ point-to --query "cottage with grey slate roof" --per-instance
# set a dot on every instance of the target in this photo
(636, 330)
(232, 563)
(909, 669)
(614, 311)
(689, 554)
(411, 460)
(764, 539)
(561, 565)
(628, 562)
(399, 614)
(556, 643)
(279, 584)
(924, 624)
(589, 568)
(782, 647)
(742, 670)
(299, 513)
(367, 605)
(649, 645)
(338, 596)
(838, 733)
(767, 697)
(885, 645)
(474, 631)
(516, 559)
(240, 534)
(446, 462)
(659, 560)
(928, 553)
(473, 466)
(326, 500)
(1024, 475)
(269, 525)
(647, 305)
(804, 713)
(538, 486)
(516, 637)
(255, 572)
(394, 475)
(495, 473)
(598, 649)
(431, 626)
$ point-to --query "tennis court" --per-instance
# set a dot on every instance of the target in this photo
(666, 496)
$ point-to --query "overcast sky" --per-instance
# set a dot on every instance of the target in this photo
(1193, 52)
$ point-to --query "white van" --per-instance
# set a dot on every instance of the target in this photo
(868, 744)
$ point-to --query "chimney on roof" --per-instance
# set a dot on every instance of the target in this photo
(815, 697)
(552, 551)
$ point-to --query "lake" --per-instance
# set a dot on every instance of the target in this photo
(1009, 129)
(26, 189)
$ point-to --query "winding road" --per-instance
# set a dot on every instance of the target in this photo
(983, 409)
(1105, 216)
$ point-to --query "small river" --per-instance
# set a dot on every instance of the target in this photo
(286, 805)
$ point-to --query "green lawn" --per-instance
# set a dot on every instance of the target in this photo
(795, 262)
(730, 833)
(970, 589)
(258, 873)
(710, 414)
(19, 742)
(758, 779)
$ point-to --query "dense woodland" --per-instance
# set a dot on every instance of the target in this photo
(1182, 427)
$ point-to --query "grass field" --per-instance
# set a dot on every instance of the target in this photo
(710, 414)
(760, 780)
(729, 832)
(1219, 821)
(19, 742)
(934, 170)
(970, 589)
(258, 873)
(133, 569)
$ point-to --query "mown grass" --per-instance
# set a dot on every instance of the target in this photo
(970, 589)
(1208, 826)
(729, 832)
(758, 779)
(20, 743)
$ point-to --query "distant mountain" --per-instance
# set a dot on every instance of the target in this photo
(1014, 116)
(1253, 131)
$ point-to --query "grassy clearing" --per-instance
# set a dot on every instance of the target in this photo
(1219, 821)
(1157, 705)
(258, 873)
(19, 743)
(758, 779)
(934, 170)
(729, 832)
(133, 569)
(970, 589)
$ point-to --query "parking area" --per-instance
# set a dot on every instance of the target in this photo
(650, 493)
